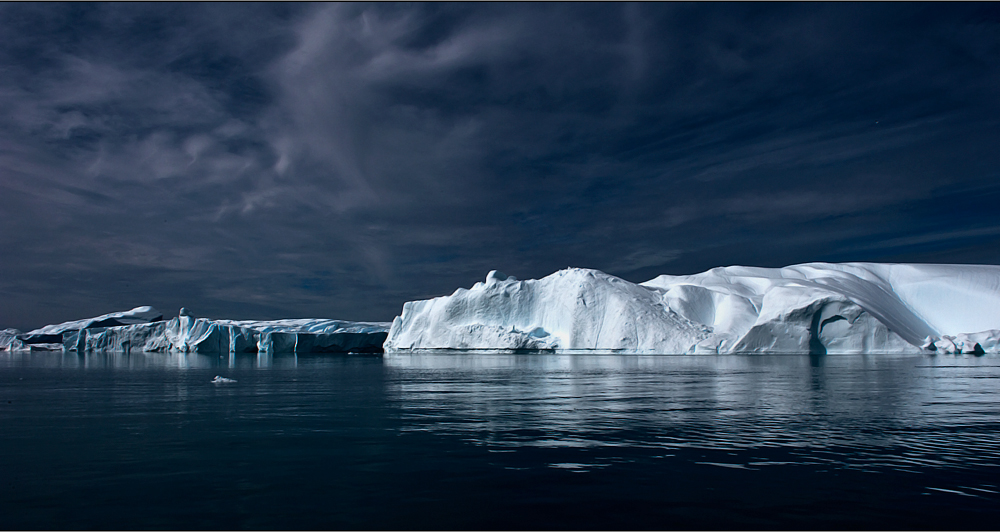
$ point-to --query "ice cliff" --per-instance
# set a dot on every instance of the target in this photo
(806, 308)
(143, 329)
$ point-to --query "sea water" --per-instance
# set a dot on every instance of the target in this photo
(478, 441)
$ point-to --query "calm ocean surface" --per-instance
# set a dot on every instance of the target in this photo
(474, 441)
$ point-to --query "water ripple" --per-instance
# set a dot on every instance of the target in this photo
(863, 413)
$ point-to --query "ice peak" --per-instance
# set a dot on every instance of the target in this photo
(496, 276)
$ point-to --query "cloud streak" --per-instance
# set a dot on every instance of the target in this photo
(267, 161)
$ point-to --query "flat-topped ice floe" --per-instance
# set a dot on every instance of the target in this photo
(806, 308)
(186, 333)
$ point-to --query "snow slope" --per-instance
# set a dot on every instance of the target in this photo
(806, 308)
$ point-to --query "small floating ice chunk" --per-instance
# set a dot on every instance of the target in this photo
(219, 379)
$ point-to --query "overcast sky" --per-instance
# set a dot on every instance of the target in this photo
(320, 160)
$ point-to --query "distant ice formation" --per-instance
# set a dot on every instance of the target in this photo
(806, 308)
(143, 329)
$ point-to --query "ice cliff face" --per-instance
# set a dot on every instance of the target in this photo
(201, 335)
(53, 334)
(143, 329)
(9, 340)
(806, 308)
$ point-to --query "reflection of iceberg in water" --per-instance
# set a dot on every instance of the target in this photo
(865, 404)
(150, 360)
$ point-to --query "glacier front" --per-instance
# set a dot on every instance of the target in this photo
(806, 308)
(143, 329)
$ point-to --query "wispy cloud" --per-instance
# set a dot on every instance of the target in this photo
(337, 159)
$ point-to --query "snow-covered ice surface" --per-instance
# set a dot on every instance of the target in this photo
(805, 308)
(143, 328)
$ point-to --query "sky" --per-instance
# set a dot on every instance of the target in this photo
(263, 161)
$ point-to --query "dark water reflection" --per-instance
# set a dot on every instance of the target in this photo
(499, 441)
(935, 411)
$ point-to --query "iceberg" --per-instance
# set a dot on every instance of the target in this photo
(143, 328)
(806, 308)
(201, 335)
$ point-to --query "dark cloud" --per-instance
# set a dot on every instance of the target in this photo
(284, 160)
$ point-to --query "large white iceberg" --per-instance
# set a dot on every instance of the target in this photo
(806, 308)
